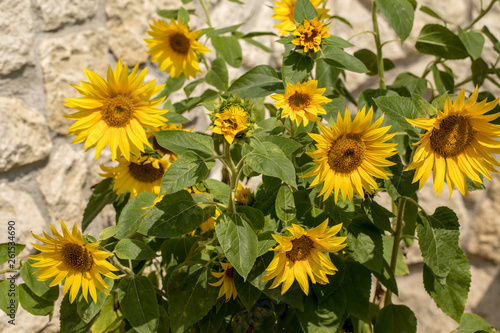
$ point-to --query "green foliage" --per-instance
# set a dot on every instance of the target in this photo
(133, 249)
(399, 14)
(435, 39)
(103, 195)
(188, 170)
(396, 318)
(260, 81)
(6, 251)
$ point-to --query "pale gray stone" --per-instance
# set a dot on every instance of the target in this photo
(24, 133)
(16, 43)
(55, 14)
(63, 60)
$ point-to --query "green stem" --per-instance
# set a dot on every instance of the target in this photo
(233, 177)
(480, 16)
(122, 268)
(380, 59)
(463, 82)
(11, 269)
(204, 59)
(395, 245)
(429, 68)
(207, 15)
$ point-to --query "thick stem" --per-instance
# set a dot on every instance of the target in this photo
(380, 59)
(233, 177)
(122, 268)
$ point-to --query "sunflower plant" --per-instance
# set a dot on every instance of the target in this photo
(309, 247)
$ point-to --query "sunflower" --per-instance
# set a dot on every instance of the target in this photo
(302, 102)
(140, 174)
(226, 282)
(350, 155)
(284, 12)
(458, 143)
(310, 34)
(115, 112)
(243, 195)
(302, 255)
(69, 258)
(174, 46)
(231, 122)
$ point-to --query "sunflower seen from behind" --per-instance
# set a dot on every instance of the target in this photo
(350, 155)
(69, 259)
(115, 111)
(174, 47)
(459, 143)
(310, 35)
(301, 256)
(284, 12)
(226, 282)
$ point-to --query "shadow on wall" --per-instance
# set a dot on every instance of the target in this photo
(489, 306)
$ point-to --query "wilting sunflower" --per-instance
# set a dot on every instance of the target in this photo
(226, 282)
(284, 12)
(302, 255)
(115, 112)
(175, 47)
(302, 102)
(310, 35)
(67, 257)
(350, 155)
(243, 195)
(140, 174)
(458, 143)
(231, 122)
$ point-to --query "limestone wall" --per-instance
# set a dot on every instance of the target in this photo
(44, 46)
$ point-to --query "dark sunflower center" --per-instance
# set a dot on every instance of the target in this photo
(310, 36)
(346, 153)
(299, 100)
(229, 272)
(180, 43)
(117, 111)
(455, 133)
(77, 257)
(301, 247)
(145, 173)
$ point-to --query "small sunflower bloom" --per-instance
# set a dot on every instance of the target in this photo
(175, 47)
(310, 35)
(302, 102)
(226, 282)
(302, 255)
(243, 195)
(68, 258)
(115, 112)
(231, 122)
(350, 155)
(140, 174)
(459, 143)
(284, 12)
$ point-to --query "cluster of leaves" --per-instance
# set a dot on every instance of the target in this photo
(168, 286)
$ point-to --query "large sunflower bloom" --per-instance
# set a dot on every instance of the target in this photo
(231, 122)
(302, 255)
(67, 257)
(174, 46)
(350, 155)
(284, 12)
(458, 143)
(115, 112)
(310, 35)
(226, 282)
(140, 174)
(302, 102)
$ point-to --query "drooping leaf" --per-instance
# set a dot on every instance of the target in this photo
(356, 285)
(247, 293)
(396, 318)
(181, 141)
(32, 303)
(444, 81)
(39, 288)
(285, 204)
(472, 323)
(133, 212)
(369, 59)
(70, 321)
(326, 316)
(218, 76)
(133, 249)
(364, 242)
(473, 42)
(338, 58)
(397, 109)
(296, 66)
(260, 81)
(480, 71)
(435, 39)
(188, 170)
(102, 195)
(229, 49)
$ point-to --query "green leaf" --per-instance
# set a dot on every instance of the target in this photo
(238, 240)
(423, 107)
(494, 40)
(473, 42)
(171, 85)
(269, 160)
(437, 40)
(397, 109)
(369, 59)
(190, 103)
(338, 58)
(260, 81)
(326, 316)
(190, 297)
(406, 84)
(191, 86)
(132, 214)
(479, 71)
(213, 321)
(218, 76)
(401, 267)
(296, 66)
(254, 216)
(175, 118)
(133, 249)
(339, 212)
(438, 239)
(400, 184)
(229, 49)
(287, 145)
(103, 195)
(266, 241)
(285, 204)
(70, 321)
(39, 288)
(217, 32)
(399, 14)
(395, 319)
(171, 13)
(218, 189)
(432, 13)
(108, 319)
(176, 215)
(182, 141)
(325, 291)
(326, 75)
(377, 214)
(89, 310)
(10, 298)
(336, 41)
(138, 303)
(183, 15)
(247, 293)
(32, 303)
(356, 285)
(333, 108)
(364, 242)
(444, 81)
(452, 296)
(188, 170)
(175, 250)
(472, 323)
(108, 232)
(304, 10)
(9, 251)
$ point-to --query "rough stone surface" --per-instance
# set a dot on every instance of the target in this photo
(62, 61)
(16, 43)
(54, 14)
(24, 133)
